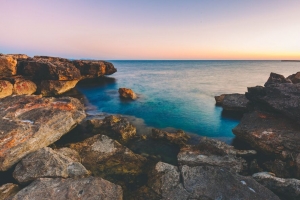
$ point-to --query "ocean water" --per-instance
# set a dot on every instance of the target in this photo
(180, 94)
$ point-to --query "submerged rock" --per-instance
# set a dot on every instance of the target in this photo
(28, 123)
(8, 190)
(8, 65)
(47, 163)
(58, 188)
(56, 87)
(180, 137)
(127, 93)
(6, 88)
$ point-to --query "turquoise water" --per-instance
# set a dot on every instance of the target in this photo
(180, 94)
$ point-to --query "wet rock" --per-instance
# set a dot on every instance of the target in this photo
(28, 123)
(8, 65)
(46, 162)
(276, 79)
(288, 189)
(6, 88)
(8, 190)
(60, 189)
(102, 155)
(24, 87)
(55, 87)
(235, 102)
(207, 182)
(295, 78)
(180, 137)
(220, 99)
(127, 93)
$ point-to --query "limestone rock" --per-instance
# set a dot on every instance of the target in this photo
(180, 137)
(8, 190)
(24, 87)
(60, 189)
(56, 87)
(8, 65)
(220, 99)
(46, 162)
(276, 79)
(28, 123)
(235, 102)
(71, 153)
(6, 88)
(285, 188)
(19, 56)
(127, 93)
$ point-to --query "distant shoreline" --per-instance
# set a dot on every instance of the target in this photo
(290, 60)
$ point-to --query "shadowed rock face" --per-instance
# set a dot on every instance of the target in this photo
(8, 65)
(60, 189)
(28, 123)
(8, 190)
(127, 93)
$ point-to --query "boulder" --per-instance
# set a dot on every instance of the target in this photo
(8, 65)
(46, 162)
(276, 79)
(24, 87)
(28, 123)
(219, 99)
(285, 188)
(6, 88)
(71, 153)
(55, 87)
(8, 190)
(235, 102)
(179, 138)
(60, 189)
(295, 78)
(127, 93)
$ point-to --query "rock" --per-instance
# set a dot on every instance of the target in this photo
(46, 162)
(94, 68)
(19, 56)
(71, 153)
(102, 155)
(24, 87)
(8, 65)
(8, 190)
(285, 188)
(210, 152)
(235, 102)
(220, 99)
(279, 168)
(55, 87)
(60, 189)
(127, 93)
(180, 137)
(28, 123)
(6, 88)
(295, 78)
(276, 79)
(48, 68)
(207, 182)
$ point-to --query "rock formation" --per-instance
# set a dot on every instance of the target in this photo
(127, 93)
(179, 138)
(232, 102)
(8, 65)
(8, 190)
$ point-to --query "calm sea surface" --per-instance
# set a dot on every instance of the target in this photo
(180, 94)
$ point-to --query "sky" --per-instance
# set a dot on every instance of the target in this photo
(152, 29)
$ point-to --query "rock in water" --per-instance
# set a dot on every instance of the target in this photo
(46, 162)
(8, 65)
(127, 93)
(28, 123)
(8, 190)
(6, 88)
(219, 99)
(235, 102)
(60, 189)
(180, 137)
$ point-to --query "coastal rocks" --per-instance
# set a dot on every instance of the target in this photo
(28, 123)
(219, 99)
(102, 155)
(47, 163)
(235, 102)
(6, 88)
(276, 79)
(285, 188)
(19, 56)
(8, 190)
(8, 65)
(179, 138)
(24, 87)
(127, 93)
(55, 87)
(60, 189)
(295, 78)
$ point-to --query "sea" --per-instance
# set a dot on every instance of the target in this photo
(179, 94)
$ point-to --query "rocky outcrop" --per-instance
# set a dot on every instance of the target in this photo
(55, 87)
(288, 189)
(8, 190)
(6, 88)
(60, 189)
(24, 87)
(8, 65)
(179, 138)
(276, 79)
(295, 78)
(220, 99)
(127, 93)
(46, 162)
(28, 123)
(235, 102)
(19, 56)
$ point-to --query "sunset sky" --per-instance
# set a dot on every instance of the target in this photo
(152, 29)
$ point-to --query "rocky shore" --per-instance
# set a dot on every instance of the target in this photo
(49, 149)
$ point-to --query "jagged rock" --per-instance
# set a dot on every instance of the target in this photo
(127, 93)
(100, 154)
(276, 79)
(94, 68)
(295, 78)
(19, 56)
(60, 189)
(210, 152)
(207, 182)
(28, 123)
(8, 65)
(8, 190)
(46, 162)
(6, 88)
(116, 127)
(180, 137)
(55, 87)
(235, 102)
(220, 99)
(71, 153)
(288, 189)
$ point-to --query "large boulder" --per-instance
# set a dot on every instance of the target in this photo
(285, 188)
(295, 78)
(179, 138)
(8, 65)
(24, 87)
(6, 88)
(127, 93)
(28, 123)
(235, 102)
(46, 162)
(277, 79)
(8, 190)
(60, 189)
(56, 87)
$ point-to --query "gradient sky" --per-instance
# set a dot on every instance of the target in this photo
(152, 29)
